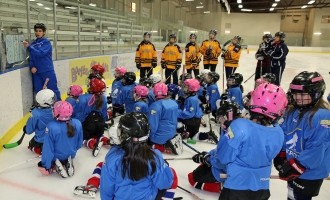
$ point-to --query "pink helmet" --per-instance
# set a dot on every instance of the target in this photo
(75, 90)
(160, 90)
(258, 82)
(141, 91)
(121, 70)
(192, 84)
(62, 110)
(269, 100)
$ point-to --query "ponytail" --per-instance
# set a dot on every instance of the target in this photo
(98, 101)
(70, 129)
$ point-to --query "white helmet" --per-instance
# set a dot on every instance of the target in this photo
(205, 71)
(45, 98)
(156, 78)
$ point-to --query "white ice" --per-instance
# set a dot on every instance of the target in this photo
(26, 182)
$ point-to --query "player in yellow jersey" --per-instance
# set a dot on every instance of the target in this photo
(171, 60)
(231, 55)
(193, 56)
(211, 50)
(145, 56)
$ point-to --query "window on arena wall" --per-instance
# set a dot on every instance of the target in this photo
(325, 19)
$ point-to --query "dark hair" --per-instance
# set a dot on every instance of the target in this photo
(261, 119)
(98, 101)
(70, 128)
(137, 159)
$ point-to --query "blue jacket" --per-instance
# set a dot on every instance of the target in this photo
(309, 142)
(163, 120)
(41, 55)
(115, 90)
(114, 186)
(141, 106)
(58, 145)
(74, 103)
(235, 95)
(38, 121)
(278, 52)
(248, 150)
(126, 97)
(151, 97)
(191, 108)
(213, 95)
(83, 109)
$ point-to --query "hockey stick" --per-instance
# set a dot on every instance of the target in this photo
(211, 130)
(14, 144)
(192, 194)
(250, 77)
(190, 147)
(271, 177)
(223, 66)
(146, 75)
(45, 83)
(178, 159)
(23, 61)
(20, 163)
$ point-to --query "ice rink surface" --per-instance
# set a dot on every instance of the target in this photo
(26, 182)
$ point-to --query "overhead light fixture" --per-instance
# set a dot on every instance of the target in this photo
(239, 1)
(92, 4)
(190, 0)
(207, 12)
(70, 7)
(40, 4)
(154, 31)
(311, 2)
(227, 32)
(304, 6)
(277, 0)
(193, 31)
(317, 33)
(98, 31)
(240, 6)
(105, 31)
(246, 10)
(32, 0)
(274, 5)
(266, 32)
(46, 8)
(271, 9)
(199, 6)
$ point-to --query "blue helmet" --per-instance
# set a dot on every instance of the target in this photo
(173, 89)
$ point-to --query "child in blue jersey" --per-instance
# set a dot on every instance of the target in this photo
(41, 62)
(173, 91)
(40, 117)
(73, 94)
(63, 139)
(125, 97)
(149, 83)
(249, 146)
(163, 120)
(181, 97)
(191, 114)
(212, 92)
(115, 91)
(207, 175)
(92, 113)
(234, 89)
(132, 170)
(305, 158)
(140, 96)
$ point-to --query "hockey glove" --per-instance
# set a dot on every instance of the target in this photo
(279, 160)
(203, 158)
(154, 64)
(291, 170)
(109, 100)
(163, 65)
(223, 56)
(43, 170)
(178, 66)
(138, 65)
(207, 109)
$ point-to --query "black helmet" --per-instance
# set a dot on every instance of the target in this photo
(213, 31)
(230, 110)
(280, 34)
(238, 38)
(129, 78)
(147, 33)
(236, 79)
(308, 82)
(40, 26)
(146, 82)
(193, 35)
(269, 77)
(133, 126)
(173, 35)
(199, 78)
(214, 76)
(185, 76)
(267, 36)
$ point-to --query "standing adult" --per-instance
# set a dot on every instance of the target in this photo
(211, 50)
(232, 55)
(193, 56)
(41, 63)
(145, 56)
(263, 64)
(278, 53)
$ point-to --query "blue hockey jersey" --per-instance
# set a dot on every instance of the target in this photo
(163, 120)
(248, 151)
(191, 108)
(213, 95)
(235, 95)
(41, 55)
(114, 186)
(329, 98)
(38, 121)
(126, 97)
(83, 109)
(115, 90)
(74, 103)
(151, 97)
(57, 144)
(141, 106)
(309, 142)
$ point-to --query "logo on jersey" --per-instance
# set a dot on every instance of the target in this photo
(229, 134)
(191, 109)
(294, 143)
(46, 130)
(152, 112)
(325, 123)
(137, 109)
(213, 91)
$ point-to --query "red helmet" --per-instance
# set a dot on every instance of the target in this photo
(98, 69)
(96, 86)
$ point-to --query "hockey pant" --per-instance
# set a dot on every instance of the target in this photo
(229, 71)
(212, 67)
(93, 126)
(277, 69)
(168, 73)
(192, 126)
(230, 194)
(263, 67)
(303, 189)
(35, 146)
(144, 70)
(203, 179)
(196, 71)
(39, 80)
